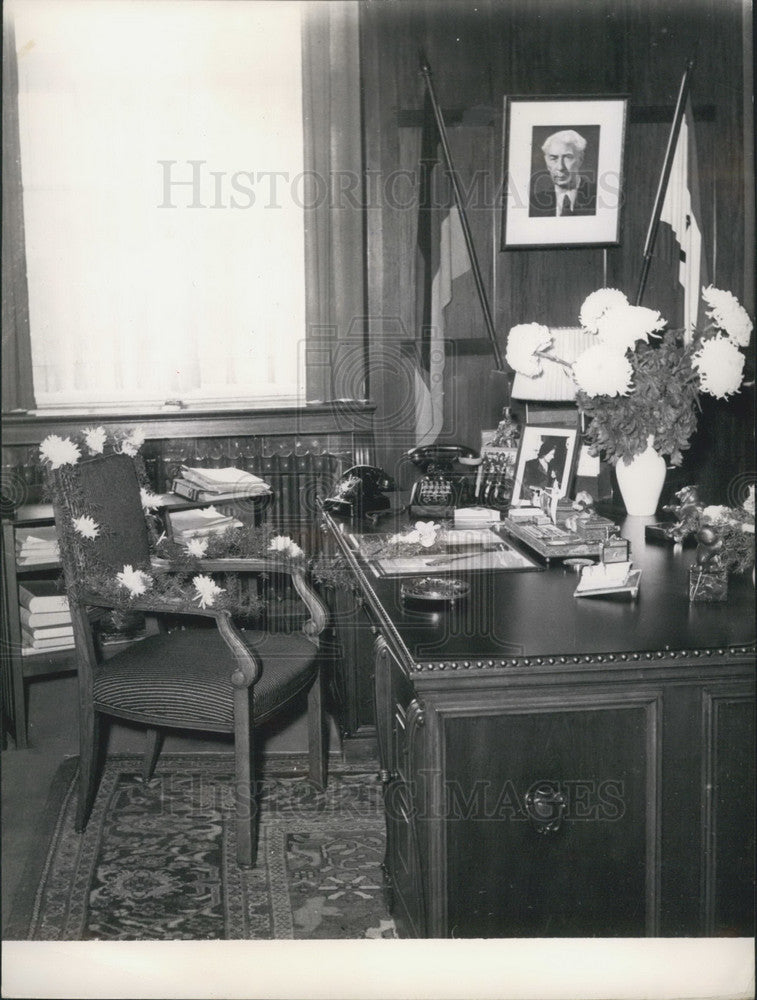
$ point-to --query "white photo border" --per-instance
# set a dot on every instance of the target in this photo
(526, 117)
(531, 439)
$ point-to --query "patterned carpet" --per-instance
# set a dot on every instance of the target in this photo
(156, 862)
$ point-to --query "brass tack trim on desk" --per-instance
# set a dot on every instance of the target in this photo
(587, 658)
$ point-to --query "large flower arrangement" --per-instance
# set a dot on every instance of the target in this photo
(640, 382)
(178, 582)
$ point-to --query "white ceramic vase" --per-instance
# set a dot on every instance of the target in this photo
(641, 480)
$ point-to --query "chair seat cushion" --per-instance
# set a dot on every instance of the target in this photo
(183, 678)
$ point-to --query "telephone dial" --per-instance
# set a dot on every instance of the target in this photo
(361, 490)
(442, 488)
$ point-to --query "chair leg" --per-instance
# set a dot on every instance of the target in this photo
(153, 744)
(89, 745)
(316, 734)
(244, 779)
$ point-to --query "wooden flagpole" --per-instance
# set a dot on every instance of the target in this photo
(426, 71)
(662, 186)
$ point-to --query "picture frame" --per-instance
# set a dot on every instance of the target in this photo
(586, 137)
(536, 470)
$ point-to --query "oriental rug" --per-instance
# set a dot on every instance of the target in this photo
(157, 860)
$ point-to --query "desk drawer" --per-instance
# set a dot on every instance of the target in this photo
(554, 833)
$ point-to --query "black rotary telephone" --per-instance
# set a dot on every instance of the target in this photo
(360, 491)
(442, 488)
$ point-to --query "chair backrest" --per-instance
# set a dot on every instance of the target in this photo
(105, 488)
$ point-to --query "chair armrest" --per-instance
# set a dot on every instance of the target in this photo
(294, 568)
(247, 665)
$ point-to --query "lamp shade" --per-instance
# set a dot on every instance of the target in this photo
(555, 384)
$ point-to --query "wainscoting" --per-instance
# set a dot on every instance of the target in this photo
(300, 452)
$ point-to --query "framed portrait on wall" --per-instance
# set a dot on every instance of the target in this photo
(546, 459)
(562, 172)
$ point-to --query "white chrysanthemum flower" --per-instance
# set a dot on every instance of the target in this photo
(728, 314)
(86, 526)
(94, 438)
(715, 513)
(409, 537)
(602, 371)
(597, 304)
(133, 442)
(285, 545)
(720, 365)
(197, 547)
(149, 500)
(426, 532)
(59, 451)
(523, 341)
(136, 581)
(621, 326)
(748, 503)
(207, 590)
(279, 543)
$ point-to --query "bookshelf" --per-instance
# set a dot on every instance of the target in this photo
(18, 669)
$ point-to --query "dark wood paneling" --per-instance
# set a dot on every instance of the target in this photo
(593, 876)
(728, 856)
(481, 51)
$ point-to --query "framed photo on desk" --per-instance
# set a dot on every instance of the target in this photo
(546, 459)
(562, 172)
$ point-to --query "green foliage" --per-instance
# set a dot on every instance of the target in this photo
(663, 403)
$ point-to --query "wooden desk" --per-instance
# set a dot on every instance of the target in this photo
(563, 767)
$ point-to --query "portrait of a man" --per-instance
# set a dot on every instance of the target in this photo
(562, 183)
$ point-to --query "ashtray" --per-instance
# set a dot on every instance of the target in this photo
(435, 588)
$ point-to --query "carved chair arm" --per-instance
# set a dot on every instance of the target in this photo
(246, 663)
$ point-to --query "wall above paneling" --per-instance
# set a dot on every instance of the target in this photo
(481, 52)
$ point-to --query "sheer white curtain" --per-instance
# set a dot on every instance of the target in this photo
(162, 159)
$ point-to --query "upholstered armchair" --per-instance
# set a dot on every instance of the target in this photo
(218, 679)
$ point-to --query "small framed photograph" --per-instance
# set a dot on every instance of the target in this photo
(563, 172)
(545, 462)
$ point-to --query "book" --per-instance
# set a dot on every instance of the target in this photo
(51, 632)
(186, 524)
(39, 557)
(30, 538)
(56, 642)
(189, 491)
(41, 595)
(43, 619)
(36, 545)
(227, 480)
(54, 646)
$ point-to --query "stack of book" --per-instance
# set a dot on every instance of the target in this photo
(36, 545)
(189, 524)
(45, 618)
(208, 484)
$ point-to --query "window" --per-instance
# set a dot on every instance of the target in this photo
(162, 162)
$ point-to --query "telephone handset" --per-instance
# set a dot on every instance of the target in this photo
(360, 491)
(442, 488)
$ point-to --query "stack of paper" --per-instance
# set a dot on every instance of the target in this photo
(188, 524)
(36, 545)
(203, 484)
(476, 517)
(45, 618)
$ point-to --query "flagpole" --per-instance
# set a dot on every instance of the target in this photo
(654, 222)
(426, 71)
